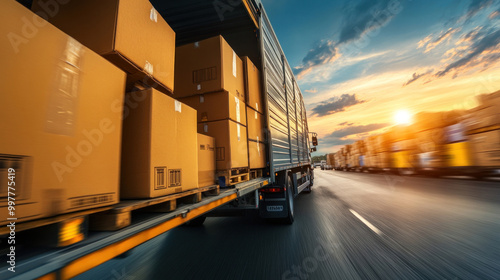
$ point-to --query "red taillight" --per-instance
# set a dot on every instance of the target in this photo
(272, 190)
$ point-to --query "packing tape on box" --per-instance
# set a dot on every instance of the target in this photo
(237, 101)
(257, 106)
(196, 44)
(178, 106)
(198, 87)
(205, 128)
(239, 131)
(63, 101)
(202, 98)
(153, 15)
(256, 116)
(234, 64)
(148, 68)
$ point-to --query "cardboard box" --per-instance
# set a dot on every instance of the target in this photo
(206, 161)
(488, 159)
(253, 86)
(206, 66)
(217, 106)
(61, 128)
(231, 143)
(159, 150)
(255, 125)
(130, 34)
(486, 141)
(481, 117)
(256, 154)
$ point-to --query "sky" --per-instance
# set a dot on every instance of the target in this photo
(358, 62)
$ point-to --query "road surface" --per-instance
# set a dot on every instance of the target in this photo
(352, 226)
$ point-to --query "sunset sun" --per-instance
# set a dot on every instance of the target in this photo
(402, 117)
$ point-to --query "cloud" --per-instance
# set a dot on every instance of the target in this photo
(477, 54)
(364, 18)
(346, 123)
(340, 136)
(424, 41)
(334, 141)
(323, 52)
(336, 104)
(360, 20)
(311, 90)
(474, 7)
(494, 14)
(417, 76)
(357, 129)
(430, 44)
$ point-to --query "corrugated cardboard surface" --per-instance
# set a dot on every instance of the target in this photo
(131, 34)
(217, 106)
(59, 119)
(206, 160)
(255, 125)
(482, 116)
(158, 132)
(257, 154)
(231, 143)
(208, 66)
(485, 142)
(252, 85)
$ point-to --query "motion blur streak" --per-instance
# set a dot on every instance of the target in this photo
(433, 229)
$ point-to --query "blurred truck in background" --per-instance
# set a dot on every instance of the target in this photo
(458, 142)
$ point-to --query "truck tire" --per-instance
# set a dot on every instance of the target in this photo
(289, 197)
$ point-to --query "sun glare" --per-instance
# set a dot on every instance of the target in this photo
(402, 117)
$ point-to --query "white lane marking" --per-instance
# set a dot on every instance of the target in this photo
(368, 224)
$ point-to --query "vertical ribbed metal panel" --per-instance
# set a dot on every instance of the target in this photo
(288, 133)
(276, 97)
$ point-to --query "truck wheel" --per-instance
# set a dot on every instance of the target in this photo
(198, 221)
(289, 197)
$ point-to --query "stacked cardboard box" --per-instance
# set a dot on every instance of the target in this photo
(231, 143)
(486, 147)
(255, 117)
(130, 34)
(208, 66)
(159, 149)
(370, 154)
(342, 158)
(209, 77)
(206, 160)
(382, 151)
(430, 138)
(483, 126)
(60, 127)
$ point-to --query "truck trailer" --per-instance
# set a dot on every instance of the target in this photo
(288, 143)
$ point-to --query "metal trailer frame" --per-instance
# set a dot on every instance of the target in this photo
(100, 247)
(289, 165)
(246, 27)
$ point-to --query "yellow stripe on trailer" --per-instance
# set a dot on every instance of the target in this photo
(458, 154)
(107, 253)
(401, 159)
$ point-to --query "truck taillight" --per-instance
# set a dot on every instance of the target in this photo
(272, 190)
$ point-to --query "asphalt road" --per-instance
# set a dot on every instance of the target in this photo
(352, 226)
